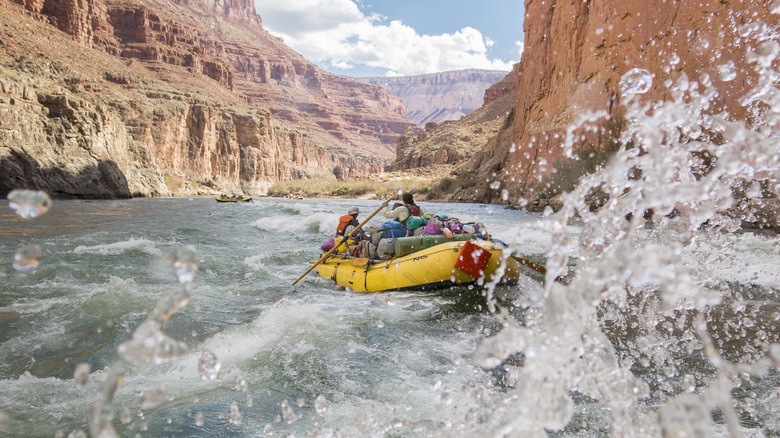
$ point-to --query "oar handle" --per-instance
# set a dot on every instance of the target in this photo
(335, 247)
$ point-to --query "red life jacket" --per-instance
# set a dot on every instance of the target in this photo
(344, 221)
(413, 211)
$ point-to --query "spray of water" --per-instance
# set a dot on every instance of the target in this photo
(633, 301)
(150, 345)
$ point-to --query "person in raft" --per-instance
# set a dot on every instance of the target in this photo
(401, 212)
(348, 222)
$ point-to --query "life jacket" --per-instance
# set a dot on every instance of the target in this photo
(344, 222)
(413, 211)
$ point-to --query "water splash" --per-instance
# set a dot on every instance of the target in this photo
(234, 416)
(27, 258)
(634, 301)
(635, 81)
(727, 71)
(288, 413)
(29, 204)
(81, 374)
(102, 414)
(151, 398)
(185, 262)
(321, 404)
(149, 345)
(209, 366)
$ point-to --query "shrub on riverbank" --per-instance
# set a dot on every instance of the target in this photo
(376, 186)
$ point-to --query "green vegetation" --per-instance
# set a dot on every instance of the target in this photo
(377, 186)
(10, 75)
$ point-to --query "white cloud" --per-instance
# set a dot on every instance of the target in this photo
(337, 33)
(520, 47)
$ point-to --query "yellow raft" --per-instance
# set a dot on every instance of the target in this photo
(242, 199)
(442, 265)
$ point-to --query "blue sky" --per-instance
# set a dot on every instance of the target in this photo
(399, 37)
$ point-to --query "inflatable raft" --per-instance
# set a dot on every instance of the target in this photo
(242, 199)
(442, 265)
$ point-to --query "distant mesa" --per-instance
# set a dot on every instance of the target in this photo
(439, 97)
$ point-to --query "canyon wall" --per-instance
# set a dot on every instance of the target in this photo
(439, 97)
(577, 51)
(461, 142)
(155, 98)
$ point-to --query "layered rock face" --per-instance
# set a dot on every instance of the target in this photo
(439, 97)
(576, 53)
(461, 142)
(119, 98)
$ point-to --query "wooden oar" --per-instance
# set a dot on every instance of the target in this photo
(532, 265)
(335, 247)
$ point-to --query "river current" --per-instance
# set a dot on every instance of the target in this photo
(394, 358)
(265, 358)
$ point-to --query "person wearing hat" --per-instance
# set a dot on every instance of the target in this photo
(348, 222)
(401, 212)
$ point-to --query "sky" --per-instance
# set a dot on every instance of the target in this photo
(399, 37)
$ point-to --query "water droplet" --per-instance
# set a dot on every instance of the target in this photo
(29, 204)
(321, 404)
(27, 258)
(504, 194)
(674, 60)
(5, 422)
(208, 366)
(199, 419)
(635, 81)
(125, 417)
(727, 71)
(301, 403)
(169, 304)
(380, 324)
(185, 261)
(239, 384)
(288, 413)
(150, 345)
(152, 398)
(81, 374)
(268, 429)
(235, 415)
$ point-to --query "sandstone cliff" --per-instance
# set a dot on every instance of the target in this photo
(112, 98)
(460, 142)
(439, 97)
(575, 55)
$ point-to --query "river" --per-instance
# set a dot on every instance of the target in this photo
(260, 357)
(406, 357)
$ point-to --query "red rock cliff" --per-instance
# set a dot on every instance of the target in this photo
(201, 95)
(577, 51)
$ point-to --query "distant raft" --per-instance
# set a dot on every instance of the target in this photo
(242, 199)
(446, 264)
